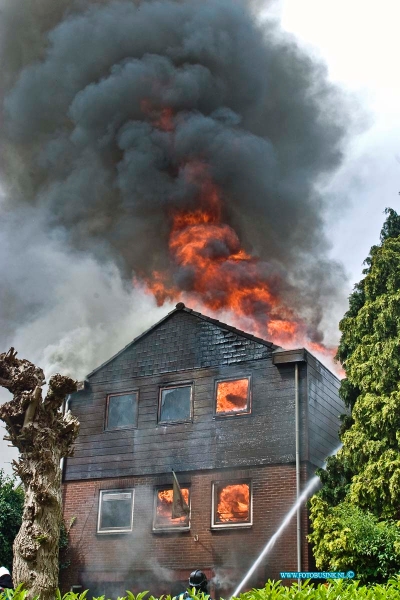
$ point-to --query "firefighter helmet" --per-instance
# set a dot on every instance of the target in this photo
(198, 580)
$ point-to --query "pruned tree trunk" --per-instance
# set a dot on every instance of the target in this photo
(43, 436)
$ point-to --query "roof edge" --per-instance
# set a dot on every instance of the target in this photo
(180, 307)
(281, 357)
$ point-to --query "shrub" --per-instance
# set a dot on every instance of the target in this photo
(346, 537)
(333, 590)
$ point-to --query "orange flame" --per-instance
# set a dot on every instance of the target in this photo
(215, 271)
(222, 274)
(164, 508)
(232, 396)
(233, 503)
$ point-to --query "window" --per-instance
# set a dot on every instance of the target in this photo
(175, 404)
(115, 511)
(231, 504)
(163, 520)
(232, 397)
(122, 410)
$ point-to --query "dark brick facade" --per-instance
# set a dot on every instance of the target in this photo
(186, 347)
(136, 559)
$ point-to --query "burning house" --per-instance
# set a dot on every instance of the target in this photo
(183, 146)
(216, 406)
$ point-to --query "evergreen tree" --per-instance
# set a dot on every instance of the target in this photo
(365, 474)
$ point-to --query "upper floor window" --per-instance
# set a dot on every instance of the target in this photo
(163, 501)
(233, 396)
(122, 410)
(231, 504)
(115, 511)
(175, 404)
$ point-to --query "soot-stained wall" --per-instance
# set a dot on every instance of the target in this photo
(324, 408)
(185, 349)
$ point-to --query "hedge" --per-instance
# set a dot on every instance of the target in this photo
(333, 590)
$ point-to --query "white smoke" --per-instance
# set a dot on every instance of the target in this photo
(62, 309)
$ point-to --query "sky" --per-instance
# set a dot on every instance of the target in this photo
(360, 45)
(359, 42)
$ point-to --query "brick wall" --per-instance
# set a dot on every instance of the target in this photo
(162, 562)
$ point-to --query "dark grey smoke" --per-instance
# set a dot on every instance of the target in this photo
(86, 170)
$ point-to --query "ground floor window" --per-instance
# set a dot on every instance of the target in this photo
(231, 504)
(163, 504)
(115, 511)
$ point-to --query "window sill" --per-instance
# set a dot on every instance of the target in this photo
(169, 530)
(231, 526)
(230, 415)
(164, 423)
(114, 532)
(128, 428)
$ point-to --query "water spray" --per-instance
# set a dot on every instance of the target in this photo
(306, 492)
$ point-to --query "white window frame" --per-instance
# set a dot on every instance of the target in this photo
(114, 529)
(215, 484)
(238, 413)
(176, 528)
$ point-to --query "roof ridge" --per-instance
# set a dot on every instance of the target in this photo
(181, 307)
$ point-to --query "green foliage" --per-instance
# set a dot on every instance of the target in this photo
(336, 479)
(11, 509)
(391, 227)
(64, 559)
(354, 514)
(334, 590)
(11, 506)
(18, 594)
(348, 538)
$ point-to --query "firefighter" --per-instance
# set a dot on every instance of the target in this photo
(5, 579)
(198, 581)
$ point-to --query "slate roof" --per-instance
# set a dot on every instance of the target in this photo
(180, 307)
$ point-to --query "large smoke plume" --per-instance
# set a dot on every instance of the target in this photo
(106, 107)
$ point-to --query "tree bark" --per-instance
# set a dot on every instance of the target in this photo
(43, 435)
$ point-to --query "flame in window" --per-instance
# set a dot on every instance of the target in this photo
(232, 395)
(233, 503)
(164, 508)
